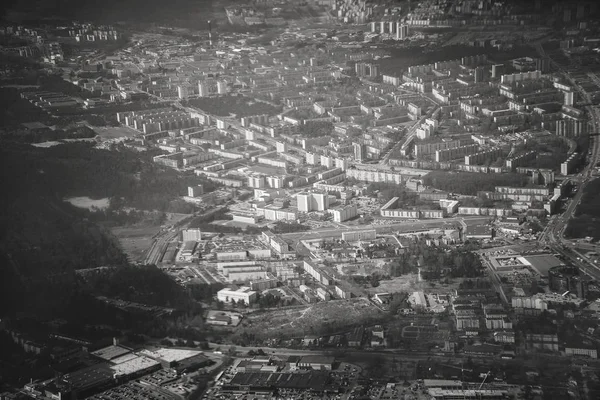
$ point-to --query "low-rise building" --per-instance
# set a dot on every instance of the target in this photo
(245, 294)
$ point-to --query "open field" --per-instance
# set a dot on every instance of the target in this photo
(86, 202)
(310, 320)
(135, 241)
(113, 132)
(410, 283)
(362, 268)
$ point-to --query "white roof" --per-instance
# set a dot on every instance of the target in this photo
(169, 355)
(131, 363)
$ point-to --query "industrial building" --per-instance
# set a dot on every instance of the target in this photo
(244, 294)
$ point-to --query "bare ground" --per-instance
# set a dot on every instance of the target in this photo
(409, 283)
(304, 321)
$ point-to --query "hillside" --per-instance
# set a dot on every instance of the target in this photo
(44, 239)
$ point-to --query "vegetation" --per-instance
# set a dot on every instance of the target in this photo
(289, 227)
(469, 183)
(550, 152)
(436, 262)
(586, 221)
(239, 105)
(315, 129)
(44, 135)
(146, 285)
(387, 191)
(44, 239)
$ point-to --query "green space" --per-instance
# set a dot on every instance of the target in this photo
(586, 221)
(239, 105)
(51, 252)
(551, 152)
(315, 129)
(469, 183)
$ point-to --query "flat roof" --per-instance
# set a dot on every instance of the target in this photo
(309, 381)
(543, 262)
(169, 355)
(317, 359)
(431, 383)
(127, 364)
(110, 352)
(89, 376)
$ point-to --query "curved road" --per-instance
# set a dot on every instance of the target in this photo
(554, 234)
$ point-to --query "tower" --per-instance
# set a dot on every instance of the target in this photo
(210, 43)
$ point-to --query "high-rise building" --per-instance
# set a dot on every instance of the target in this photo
(374, 70)
(183, 92)
(359, 151)
(360, 69)
(479, 74)
(327, 161)
(321, 201)
(312, 201)
(256, 181)
(401, 31)
(222, 87)
(542, 64)
(206, 88)
(569, 98)
(498, 70)
(342, 163)
(195, 191)
(304, 201)
(281, 147)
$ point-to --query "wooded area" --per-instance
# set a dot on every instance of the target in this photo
(469, 183)
(586, 221)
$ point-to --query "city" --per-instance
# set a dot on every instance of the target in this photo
(324, 199)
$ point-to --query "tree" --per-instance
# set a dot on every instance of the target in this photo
(190, 343)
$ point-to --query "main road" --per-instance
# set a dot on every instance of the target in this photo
(553, 236)
(407, 226)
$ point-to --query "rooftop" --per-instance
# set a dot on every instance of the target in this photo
(169, 355)
(110, 352)
(132, 363)
(543, 262)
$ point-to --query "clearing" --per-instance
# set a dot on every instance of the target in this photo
(298, 322)
(86, 202)
(113, 132)
(410, 283)
(135, 241)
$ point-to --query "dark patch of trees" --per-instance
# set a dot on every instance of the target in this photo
(141, 284)
(469, 183)
(44, 135)
(587, 215)
(289, 227)
(315, 129)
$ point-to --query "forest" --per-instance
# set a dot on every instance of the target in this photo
(45, 135)
(45, 239)
(551, 152)
(469, 183)
(387, 191)
(315, 129)
(437, 263)
(586, 221)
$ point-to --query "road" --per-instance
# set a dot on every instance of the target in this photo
(401, 226)
(155, 252)
(553, 236)
(494, 277)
